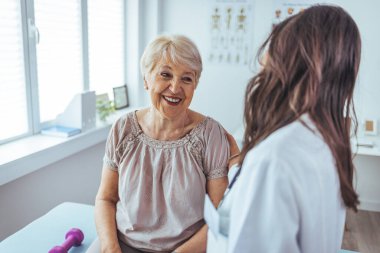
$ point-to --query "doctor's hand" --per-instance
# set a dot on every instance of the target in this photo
(234, 151)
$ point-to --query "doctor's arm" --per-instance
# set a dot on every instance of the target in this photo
(105, 211)
(265, 215)
(198, 242)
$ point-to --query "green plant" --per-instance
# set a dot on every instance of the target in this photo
(105, 108)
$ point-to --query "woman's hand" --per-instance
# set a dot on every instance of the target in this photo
(234, 151)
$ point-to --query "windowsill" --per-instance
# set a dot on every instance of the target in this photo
(21, 157)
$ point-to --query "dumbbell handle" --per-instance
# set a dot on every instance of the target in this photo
(73, 238)
(69, 242)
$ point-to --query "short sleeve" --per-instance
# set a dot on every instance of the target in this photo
(217, 151)
(111, 159)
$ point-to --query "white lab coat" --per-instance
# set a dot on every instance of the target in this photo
(286, 199)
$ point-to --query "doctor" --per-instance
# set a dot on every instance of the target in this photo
(295, 178)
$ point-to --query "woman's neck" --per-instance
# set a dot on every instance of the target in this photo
(161, 128)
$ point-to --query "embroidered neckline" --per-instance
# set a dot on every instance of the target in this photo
(161, 143)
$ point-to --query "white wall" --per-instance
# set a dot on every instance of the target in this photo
(368, 85)
(368, 181)
(221, 88)
(74, 179)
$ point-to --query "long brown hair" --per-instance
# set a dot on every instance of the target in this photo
(311, 67)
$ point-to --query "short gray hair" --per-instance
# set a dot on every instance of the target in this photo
(177, 49)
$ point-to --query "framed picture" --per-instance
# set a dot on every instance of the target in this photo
(120, 95)
(370, 127)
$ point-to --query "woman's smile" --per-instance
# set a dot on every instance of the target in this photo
(172, 100)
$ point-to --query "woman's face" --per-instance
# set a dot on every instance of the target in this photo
(171, 88)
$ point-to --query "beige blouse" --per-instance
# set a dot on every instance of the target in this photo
(162, 184)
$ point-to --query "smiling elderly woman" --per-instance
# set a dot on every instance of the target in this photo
(161, 161)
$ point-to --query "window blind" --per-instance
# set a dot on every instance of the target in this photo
(59, 54)
(13, 102)
(106, 45)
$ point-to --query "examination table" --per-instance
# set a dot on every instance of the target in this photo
(49, 230)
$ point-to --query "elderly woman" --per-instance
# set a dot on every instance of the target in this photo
(162, 160)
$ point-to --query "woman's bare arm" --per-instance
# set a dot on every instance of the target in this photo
(105, 211)
(234, 151)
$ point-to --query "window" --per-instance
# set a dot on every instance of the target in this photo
(13, 100)
(59, 54)
(106, 44)
(48, 55)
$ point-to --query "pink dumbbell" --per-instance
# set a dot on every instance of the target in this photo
(73, 238)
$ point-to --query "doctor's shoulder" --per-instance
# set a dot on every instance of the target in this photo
(289, 145)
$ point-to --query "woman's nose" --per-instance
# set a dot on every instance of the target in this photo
(175, 85)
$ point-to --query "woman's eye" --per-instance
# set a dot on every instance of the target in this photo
(166, 75)
(187, 79)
